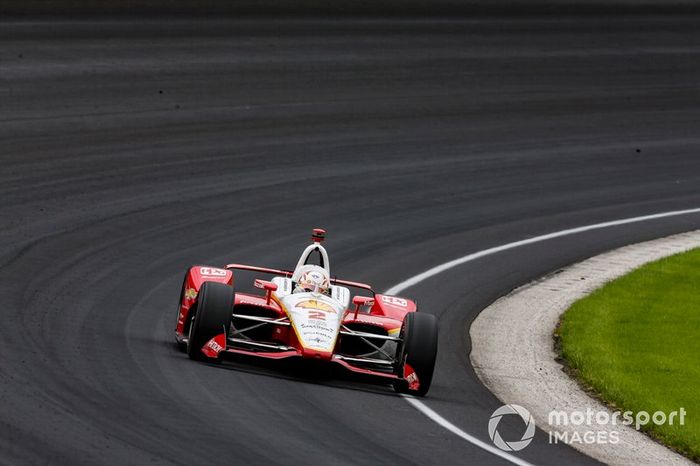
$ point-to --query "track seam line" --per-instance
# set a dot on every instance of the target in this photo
(438, 269)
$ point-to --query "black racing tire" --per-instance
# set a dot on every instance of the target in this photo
(181, 345)
(419, 333)
(212, 316)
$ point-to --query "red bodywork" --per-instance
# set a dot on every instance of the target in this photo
(386, 316)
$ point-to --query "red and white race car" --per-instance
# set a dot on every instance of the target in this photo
(305, 313)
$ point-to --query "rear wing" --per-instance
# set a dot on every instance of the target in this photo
(288, 273)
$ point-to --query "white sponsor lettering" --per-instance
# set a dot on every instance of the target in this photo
(393, 300)
(215, 346)
(212, 272)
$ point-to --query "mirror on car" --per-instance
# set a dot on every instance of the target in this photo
(363, 301)
(264, 284)
(360, 301)
(269, 287)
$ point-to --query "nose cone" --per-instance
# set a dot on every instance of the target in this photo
(310, 353)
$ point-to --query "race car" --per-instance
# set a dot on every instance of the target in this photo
(306, 313)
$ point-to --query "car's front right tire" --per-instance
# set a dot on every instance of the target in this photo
(418, 349)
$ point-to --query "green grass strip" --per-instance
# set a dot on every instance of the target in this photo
(636, 344)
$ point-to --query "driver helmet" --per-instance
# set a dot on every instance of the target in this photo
(314, 279)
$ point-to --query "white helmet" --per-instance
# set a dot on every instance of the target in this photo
(314, 278)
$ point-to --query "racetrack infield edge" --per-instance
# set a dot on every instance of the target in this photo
(634, 344)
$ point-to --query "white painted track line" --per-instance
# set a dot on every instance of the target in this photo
(435, 417)
(438, 269)
(416, 279)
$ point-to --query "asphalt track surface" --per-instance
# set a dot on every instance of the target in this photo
(131, 149)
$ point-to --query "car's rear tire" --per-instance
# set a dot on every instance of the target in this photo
(212, 316)
(419, 349)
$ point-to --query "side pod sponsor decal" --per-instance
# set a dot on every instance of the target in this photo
(393, 300)
(212, 272)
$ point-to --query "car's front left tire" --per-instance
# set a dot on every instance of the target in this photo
(212, 316)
